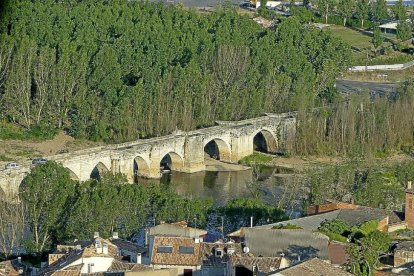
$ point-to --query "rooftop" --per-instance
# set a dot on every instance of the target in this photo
(177, 229)
(263, 264)
(293, 244)
(313, 267)
(175, 256)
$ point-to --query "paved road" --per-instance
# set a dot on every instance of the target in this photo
(375, 88)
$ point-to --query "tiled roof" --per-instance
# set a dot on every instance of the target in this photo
(263, 264)
(209, 249)
(86, 252)
(127, 245)
(9, 268)
(178, 229)
(313, 267)
(176, 258)
(294, 244)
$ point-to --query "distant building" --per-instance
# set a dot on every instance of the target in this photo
(404, 253)
(180, 229)
(14, 268)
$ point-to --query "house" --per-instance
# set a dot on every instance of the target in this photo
(181, 253)
(391, 27)
(293, 244)
(404, 253)
(249, 265)
(96, 256)
(312, 267)
(215, 257)
(180, 229)
(13, 267)
(352, 214)
(131, 252)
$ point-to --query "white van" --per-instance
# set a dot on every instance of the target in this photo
(12, 165)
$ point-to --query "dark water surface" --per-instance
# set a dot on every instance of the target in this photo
(276, 185)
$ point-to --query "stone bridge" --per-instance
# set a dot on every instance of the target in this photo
(180, 151)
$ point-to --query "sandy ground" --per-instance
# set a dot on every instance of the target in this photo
(17, 150)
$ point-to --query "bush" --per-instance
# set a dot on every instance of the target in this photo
(287, 226)
(256, 158)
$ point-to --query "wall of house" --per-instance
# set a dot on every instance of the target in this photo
(383, 224)
(180, 269)
(401, 257)
(214, 271)
(397, 226)
(162, 272)
(100, 264)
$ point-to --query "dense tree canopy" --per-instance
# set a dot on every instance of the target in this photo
(118, 70)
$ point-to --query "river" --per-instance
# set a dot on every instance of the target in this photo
(277, 186)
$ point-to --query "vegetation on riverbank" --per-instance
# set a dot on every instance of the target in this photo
(118, 70)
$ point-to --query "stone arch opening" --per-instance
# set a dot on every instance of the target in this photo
(141, 168)
(217, 149)
(72, 175)
(98, 171)
(171, 162)
(265, 141)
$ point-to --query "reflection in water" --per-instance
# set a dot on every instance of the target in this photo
(279, 186)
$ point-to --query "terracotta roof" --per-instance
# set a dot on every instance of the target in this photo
(313, 267)
(209, 252)
(9, 268)
(86, 252)
(264, 264)
(175, 257)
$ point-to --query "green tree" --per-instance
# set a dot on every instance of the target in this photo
(46, 192)
(362, 11)
(404, 31)
(346, 9)
(335, 226)
(380, 10)
(377, 39)
(400, 11)
(325, 7)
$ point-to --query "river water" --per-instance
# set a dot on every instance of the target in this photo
(277, 186)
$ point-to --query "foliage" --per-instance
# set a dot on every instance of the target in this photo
(256, 158)
(364, 254)
(346, 9)
(239, 211)
(400, 11)
(287, 226)
(404, 31)
(334, 226)
(46, 192)
(362, 11)
(118, 70)
(377, 39)
(375, 185)
(380, 11)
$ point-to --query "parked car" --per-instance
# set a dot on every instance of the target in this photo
(12, 165)
(39, 160)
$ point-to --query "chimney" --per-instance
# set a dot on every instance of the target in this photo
(115, 235)
(19, 260)
(96, 235)
(409, 185)
(251, 222)
(139, 259)
(409, 207)
(105, 249)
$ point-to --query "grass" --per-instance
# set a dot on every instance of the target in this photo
(256, 158)
(5, 158)
(352, 37)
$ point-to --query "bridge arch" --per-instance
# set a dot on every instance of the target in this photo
(99, 170)
(218, 149)
(265, 141)
(172, 161)
(141, 168)
(72, 175)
